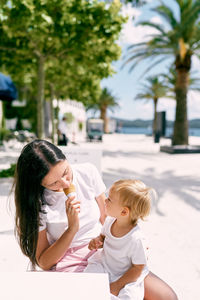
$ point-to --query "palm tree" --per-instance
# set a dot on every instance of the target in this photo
(153, 90)
(179, 40)
(106, 101)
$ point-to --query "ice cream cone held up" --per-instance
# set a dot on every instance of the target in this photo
(71, 192)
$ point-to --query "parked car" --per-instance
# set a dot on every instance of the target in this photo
(95, 129)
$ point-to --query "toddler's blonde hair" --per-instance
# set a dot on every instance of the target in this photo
(135, 195)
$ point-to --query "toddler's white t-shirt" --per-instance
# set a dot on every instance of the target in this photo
(120, 253)
(89, 185)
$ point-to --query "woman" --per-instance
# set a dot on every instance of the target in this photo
(52, 232)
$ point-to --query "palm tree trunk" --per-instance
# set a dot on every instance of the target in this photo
(105, 119)
(183, 65)
(180, 136)
(155, 101)
(40, 97)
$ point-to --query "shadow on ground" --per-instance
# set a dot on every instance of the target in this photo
(7, 232)
(6, 186)
(9, 159)
(181, 186)
(136, 154)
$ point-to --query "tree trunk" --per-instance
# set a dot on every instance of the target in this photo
(40, 97)
(105, 119)
(52, 113)
(47, 118)
(57, 119)
(155, 101)
(180, 136)
(3, 119)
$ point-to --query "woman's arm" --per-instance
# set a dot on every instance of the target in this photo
(46, 255)
(101, 203)
(130, 276)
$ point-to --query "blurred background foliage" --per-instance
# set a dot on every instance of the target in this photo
(57, 49)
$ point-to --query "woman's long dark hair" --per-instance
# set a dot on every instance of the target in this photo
(33, 164)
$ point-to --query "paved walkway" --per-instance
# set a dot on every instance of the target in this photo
(173, 226)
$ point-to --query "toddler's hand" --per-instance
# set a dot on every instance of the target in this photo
(114, 288)
(96, 243)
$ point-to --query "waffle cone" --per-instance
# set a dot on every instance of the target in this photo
(70, 189)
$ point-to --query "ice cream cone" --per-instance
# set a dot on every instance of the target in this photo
(70, 191)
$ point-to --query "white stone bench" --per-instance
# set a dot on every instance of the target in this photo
(55, 285)
(80, 155)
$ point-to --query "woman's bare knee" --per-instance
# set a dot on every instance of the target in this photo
(156, 289)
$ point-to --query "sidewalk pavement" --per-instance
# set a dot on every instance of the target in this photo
(173, 226)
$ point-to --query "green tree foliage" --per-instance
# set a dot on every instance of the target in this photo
(153, 89)
(8, 172)
(64, 46)
(180, 39)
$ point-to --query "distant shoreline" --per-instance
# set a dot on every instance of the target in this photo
(148, 131)
(194, 123)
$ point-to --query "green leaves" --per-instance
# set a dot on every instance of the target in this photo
(8, 172)
(154, 88)
(76, 40)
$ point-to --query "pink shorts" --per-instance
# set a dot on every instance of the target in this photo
(74, 260)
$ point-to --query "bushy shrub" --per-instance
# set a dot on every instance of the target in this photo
(8, 172)
(5, 134)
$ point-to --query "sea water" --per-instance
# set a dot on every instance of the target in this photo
(148, 131)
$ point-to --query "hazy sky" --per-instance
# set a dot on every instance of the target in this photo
(126, 85)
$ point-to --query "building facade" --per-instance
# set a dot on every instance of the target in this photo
(76, 119)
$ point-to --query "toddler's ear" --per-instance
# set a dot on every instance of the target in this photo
(125, 211)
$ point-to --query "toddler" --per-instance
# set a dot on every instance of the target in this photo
(124, 251)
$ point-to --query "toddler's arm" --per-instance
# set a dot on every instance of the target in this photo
(97, 242)
(130, 276)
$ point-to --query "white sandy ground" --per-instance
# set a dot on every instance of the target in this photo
(172, 229)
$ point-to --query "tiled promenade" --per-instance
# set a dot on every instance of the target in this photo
(173, 227)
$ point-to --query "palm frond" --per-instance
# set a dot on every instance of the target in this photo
(136, 45)
(151, 66)
(153, 25)
(165, 42)
(153, 88)
(166, 13)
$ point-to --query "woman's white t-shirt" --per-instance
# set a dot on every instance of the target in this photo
(89, 185)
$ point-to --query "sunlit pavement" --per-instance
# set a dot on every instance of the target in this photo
(173, 226)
